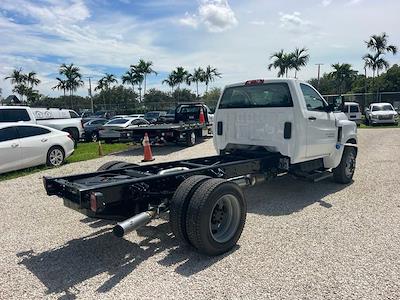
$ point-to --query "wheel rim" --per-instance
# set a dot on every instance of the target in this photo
(192, 138)
(225, 218)
(94, 137)
(56, 157)
(350, 164)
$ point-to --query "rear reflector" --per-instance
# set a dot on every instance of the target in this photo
(254, 82)
(96, 202)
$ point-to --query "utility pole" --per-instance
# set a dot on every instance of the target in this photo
(319, 70)
(90, 93)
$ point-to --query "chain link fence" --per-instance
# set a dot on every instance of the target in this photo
(364, 100)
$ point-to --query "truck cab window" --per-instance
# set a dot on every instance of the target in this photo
(312, 99)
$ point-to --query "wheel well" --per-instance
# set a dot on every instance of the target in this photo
(352, 141)
(73, 131)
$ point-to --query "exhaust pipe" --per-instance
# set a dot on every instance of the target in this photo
(133, 223)
(247, 180)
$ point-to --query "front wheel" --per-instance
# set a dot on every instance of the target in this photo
(216, 216)
(344, 172)
(55, 156)
(190, 139)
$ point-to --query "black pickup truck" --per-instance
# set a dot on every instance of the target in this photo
(187, 127)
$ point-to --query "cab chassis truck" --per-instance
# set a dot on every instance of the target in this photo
(263, 128)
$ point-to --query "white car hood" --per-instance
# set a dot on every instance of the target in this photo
(383, 112)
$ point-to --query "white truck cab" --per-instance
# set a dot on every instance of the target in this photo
(283, 115)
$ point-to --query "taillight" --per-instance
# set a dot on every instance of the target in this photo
(82, 122)
(96, 202)
(70, 136)
(254, 82)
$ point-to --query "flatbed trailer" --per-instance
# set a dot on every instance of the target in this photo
(187, 133)
(136, 194)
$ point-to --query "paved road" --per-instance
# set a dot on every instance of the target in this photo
(301, 240)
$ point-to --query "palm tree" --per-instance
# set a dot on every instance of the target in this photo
(61, 85)
(209, 75)
(18, 79)
(139, 78)
(370, 62)
(73, 78)
(300, 59)
(196, 77)
(179, 75)
(144, 67)
(170, 80)
(31, 79)
(131, 77)
(282, 61)
(342, 73)
(379, 44)
(105, 83)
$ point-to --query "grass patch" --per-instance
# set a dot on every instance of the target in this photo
(85, 151)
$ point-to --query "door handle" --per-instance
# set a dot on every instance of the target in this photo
(44, 140)
(14, 145)
(312, 118)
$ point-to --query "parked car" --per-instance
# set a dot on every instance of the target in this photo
(104, 114)
(352, 111)
(136, 116)
(169, 117)
(92, 128)
(381, 113)
(109, 131)
(154, 116)
(25, 114)
(28, 145)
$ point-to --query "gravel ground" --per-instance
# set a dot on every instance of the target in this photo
(301, 240)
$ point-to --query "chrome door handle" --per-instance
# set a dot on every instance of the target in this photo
(44, 140)
(14, 145)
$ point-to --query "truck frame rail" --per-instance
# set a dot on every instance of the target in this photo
(120, 193)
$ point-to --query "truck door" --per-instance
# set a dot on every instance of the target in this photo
(321, 125)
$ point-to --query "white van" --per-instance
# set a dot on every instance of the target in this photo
(352, 111)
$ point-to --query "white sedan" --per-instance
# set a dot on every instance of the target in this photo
(28, 145)
(111, 130)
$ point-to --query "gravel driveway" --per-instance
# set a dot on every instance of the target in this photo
(301, 240)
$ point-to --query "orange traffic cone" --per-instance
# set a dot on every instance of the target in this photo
(148, 156)
(202, 120)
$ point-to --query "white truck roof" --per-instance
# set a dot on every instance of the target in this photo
(266, 80)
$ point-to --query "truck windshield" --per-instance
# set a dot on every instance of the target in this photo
(250, 96)
(381, 107)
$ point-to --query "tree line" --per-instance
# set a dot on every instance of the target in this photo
(342, 79)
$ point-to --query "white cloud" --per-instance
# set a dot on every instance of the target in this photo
(189, 20)
(215, 15)
(258, 22)
(294, 22)
(326, 2)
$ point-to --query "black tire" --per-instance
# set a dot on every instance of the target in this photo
(94, 136)
(204, 212)
(345, 171)
(179, 204)
(115, 164)
(55, 156)
(108, 165)
(74, 134)
(190, 138)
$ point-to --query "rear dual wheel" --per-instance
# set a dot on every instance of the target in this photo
(208, 213)
(115, 164)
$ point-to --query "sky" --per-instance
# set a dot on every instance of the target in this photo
(235, 36)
